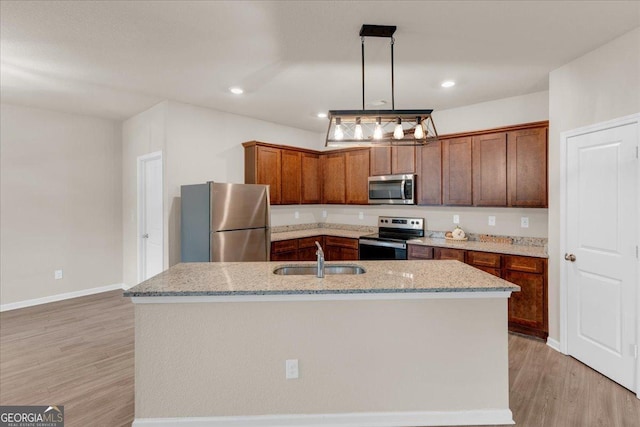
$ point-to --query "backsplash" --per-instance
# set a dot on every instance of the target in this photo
(517, 240)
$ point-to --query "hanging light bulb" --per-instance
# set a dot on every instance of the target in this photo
(398, 133)
(357, 133)
(419, 133)
(338, 133)
(377, 133)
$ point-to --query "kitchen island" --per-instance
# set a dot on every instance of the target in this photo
(408, 343)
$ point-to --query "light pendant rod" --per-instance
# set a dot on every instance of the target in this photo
(362, 38)
(393, 90)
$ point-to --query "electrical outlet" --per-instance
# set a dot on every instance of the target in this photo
(296, 215)
(324, 214)
(291, 369)
(492, 220)
(57, 274)
(524, 222)
(456, 219)
(360, 215)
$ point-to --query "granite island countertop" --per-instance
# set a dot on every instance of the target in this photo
(257, 278)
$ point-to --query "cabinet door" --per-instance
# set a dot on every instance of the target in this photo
(380, 161)
(419, 252)
(310, 179)
(333, 173)
(332, 253)
(527, 162)
(456, 172)
(528, 308)
(490, 169)
(403, 160)
(348, 254)
(429, 181)
(447, 253)
(290, 177)
(357, 174)
(268, 164)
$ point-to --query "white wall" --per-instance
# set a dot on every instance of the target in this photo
(603, 84)
(532, 107)
(199, 145)
(61, 203)
(141, 134)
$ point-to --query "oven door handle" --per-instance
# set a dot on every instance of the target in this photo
(384, 244)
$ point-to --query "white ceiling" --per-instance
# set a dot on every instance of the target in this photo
(114, 59)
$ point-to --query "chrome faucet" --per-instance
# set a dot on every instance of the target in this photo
(320, 255)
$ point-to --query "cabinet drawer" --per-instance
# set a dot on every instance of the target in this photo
(420, 252)
(484, 259)
(495, 271)
(446, 253)
(523, 263)
(309, 242)
(343, 242)
(284, 246)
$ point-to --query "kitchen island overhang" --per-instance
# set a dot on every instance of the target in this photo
(407, 343)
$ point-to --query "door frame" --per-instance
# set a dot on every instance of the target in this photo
(140, 249)
(564, 292)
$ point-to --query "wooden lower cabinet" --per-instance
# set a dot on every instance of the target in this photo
(447, 253)
(528, 309)
(307, 248)
(340, 248)
(335, 249)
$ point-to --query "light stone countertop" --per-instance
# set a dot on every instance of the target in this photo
(257, 278)
(501, 248)
(309, 232)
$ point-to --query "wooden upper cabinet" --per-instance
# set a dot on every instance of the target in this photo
(263, 166)
(311, 188)
(429, 180)
(392, 160)
(456, 171)
(357, 174)
(490, 169)
(527, 163)
(403, 160)
(333, 178)
(290, 177)
(380, 161)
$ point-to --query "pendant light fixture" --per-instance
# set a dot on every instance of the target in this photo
(379, 127)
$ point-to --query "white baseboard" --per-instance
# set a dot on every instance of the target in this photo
(60, 297)
(370, 419)
(554, 344)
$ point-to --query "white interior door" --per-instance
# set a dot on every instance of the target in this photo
(601, 244)
(150, 213)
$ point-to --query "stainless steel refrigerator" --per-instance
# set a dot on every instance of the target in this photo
(225, 222)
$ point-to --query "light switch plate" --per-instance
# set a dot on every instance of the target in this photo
(360, 215)
(296, 215)
(524, 222)
(456, 219)
(492, 220)
(324, 214)
(57, 274)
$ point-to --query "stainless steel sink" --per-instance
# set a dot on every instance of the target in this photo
(311, 269)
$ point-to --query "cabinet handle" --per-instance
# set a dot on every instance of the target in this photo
(145, 236)
(570, 257)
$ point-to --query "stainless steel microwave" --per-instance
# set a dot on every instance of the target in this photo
(392, 190)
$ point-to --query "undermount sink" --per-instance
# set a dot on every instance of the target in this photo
(311, 269)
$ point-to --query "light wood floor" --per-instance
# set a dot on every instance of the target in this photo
(79, 353)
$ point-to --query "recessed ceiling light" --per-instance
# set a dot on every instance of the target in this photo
(322, 115)
(448, 83)
(236, 90)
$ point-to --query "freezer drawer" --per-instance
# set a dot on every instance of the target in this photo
(241, 245)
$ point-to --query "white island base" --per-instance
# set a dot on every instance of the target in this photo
(369, 359)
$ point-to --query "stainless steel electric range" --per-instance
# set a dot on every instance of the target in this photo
(390, 242)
